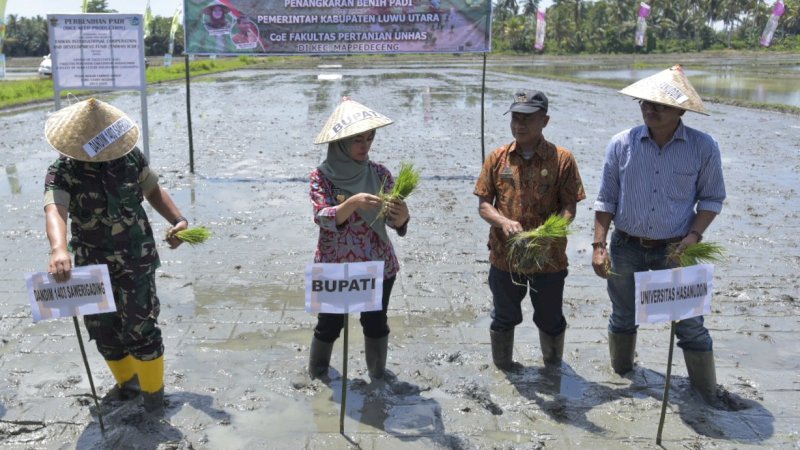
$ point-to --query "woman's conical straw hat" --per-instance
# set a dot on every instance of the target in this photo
(669, 87)
(349, 119)
(91, 131)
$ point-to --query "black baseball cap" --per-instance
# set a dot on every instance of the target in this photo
(528, 102)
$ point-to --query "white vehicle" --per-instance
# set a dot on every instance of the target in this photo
(46, 66)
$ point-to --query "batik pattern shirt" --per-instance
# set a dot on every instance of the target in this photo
(104, 202)
(353, 240)
(529, 191)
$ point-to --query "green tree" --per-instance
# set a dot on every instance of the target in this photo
(98, 6)
(26, 36)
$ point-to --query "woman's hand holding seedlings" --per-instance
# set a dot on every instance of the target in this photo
(397, 212)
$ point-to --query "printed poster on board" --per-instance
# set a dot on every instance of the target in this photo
(97, 51)
(336, 26)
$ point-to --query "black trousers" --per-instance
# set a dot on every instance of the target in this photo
(374, 323)
(547, 297)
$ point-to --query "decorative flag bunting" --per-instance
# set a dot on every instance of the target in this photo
(641, 24)
(772, 23)
(541, 25)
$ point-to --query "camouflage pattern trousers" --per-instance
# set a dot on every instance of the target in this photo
(133, 328)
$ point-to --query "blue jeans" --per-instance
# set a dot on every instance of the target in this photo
(547, 298)
(627, 257)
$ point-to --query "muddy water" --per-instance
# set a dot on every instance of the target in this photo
(233, 309)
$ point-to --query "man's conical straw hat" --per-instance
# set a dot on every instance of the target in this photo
(91, 131)
(349, 119)
(669, 87)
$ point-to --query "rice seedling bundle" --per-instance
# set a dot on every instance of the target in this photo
(405, 183)
(194, 236)
(530, 250)
(699, 253)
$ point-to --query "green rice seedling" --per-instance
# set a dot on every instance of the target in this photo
(405, 183)
(699, 253)
(530, 250)
(607, 266)
(194, 236)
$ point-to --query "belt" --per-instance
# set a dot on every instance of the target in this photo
(649, 243)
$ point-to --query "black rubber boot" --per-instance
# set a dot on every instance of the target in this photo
(319, 358)
(552, 348)
(375, 350)
(702, 375)
(622, 348)
(502, 348)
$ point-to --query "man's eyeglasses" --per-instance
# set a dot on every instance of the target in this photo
(654, 106)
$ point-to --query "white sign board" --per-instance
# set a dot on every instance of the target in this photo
(344, 288)
(97, 51)
(673, 294)
(88, 291)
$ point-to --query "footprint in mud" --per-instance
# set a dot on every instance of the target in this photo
(479, 394)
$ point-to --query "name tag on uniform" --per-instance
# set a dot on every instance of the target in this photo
(507, 173)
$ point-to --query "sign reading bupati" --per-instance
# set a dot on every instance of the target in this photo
(336, 26)
(88, 291)
(673, 294)
(97, 51)
(344, 288)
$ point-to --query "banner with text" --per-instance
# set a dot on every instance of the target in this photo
(336, 26)
(88, 291)
(673, 294)
(344, 288)
(97, 51)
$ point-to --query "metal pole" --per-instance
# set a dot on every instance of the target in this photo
(344, 376)
(666, 385)
(89, 373)
(189, 114)
(145, 124)
(483, 92)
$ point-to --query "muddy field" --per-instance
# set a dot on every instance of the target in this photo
(237, 335)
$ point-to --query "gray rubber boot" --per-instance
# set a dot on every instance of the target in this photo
(154, 402)
(702, 374)
(375, 350)
(502, 348)
(622, 348)
(552, 348)
(319, 358)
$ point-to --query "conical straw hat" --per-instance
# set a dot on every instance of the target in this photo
(349, 119)
(669, 87)
(91, 131)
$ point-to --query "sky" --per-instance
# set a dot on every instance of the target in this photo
(32, 8)
(164, 8)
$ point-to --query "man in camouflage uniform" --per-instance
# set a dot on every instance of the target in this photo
(101, 180)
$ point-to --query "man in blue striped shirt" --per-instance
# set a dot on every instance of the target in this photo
(661, 184)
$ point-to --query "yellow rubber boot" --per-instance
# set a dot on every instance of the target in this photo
(151, 380)
(124, 371)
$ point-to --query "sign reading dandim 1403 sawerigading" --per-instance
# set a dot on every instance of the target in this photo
(88, 291)
(336, 26)
(97, 51)
(673, 294)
